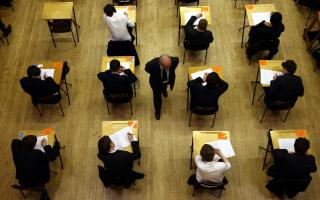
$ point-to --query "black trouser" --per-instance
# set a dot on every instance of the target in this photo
(157, 99)
(254, 47)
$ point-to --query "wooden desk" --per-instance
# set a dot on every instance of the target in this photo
(132, 14)
(183, 10)
(107, 59)
(110, 127)
(57, 66)
(254, 8)
(47, 131)
(236, 1)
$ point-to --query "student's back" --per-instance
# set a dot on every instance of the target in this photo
(38, 87)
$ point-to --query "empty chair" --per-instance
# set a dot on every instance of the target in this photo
(61, 26)
(312, 5)
(123, 48)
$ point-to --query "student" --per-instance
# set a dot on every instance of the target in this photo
(285, 88)
(119, 24)
(36, 87)
(199, 36)
(264, 36)
(117, 80)
(208, 95)
(6, 3)
(119, 164)
(297, 165)
(32, 165)
(162, 73)
(209, 168)
(6, 30)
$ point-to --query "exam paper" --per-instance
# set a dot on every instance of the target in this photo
(267, 76)
(260, 16)
(47, 72)
(121, 11)
(188, 15)
(126, 65)
(224, 146)
(287, 143)
(120, 138)
(200, 73)
(38, 144)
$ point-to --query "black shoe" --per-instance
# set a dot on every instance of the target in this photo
(157, 115)
(8, 30)
(165, 93)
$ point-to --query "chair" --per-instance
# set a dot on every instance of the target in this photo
(60, 26)
(122, 2)
(311, 34)
(5, 36)
(40, 189)
(195, 47)
(278, 106)
(313, 6)
(118, 99)
(123, 48)
(36, 101)
(210, 186)
(203, 111)
(177, 2)
(107, 180)
(65, 71)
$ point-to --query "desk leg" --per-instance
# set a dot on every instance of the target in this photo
(255, 86)
(243, 26)
(135, 90)
(267, 149)
(135, 28)
(191, 154)
(75, 23)
(235, 3)
(188, 91)
(67, 91)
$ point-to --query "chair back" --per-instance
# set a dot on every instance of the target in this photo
(65, 70)
(123, 48)
(52, 99)
(211, 185)
(118, 98)
(106, 179)
(204, 111)
(60, 25)
(195, 46)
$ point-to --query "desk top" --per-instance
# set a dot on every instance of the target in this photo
(132, 12)
(110, 127)
(205, 9)
(57, 66)
(47, 131)
(57, 10)
(255, 8)
(107, 59)
(200, 138)
(290, 134)
(217, 69)
(274, 65)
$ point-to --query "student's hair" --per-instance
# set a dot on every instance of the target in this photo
(203, 23)
(114, 65)
(29, 142)
(207, 152)
(301, 145)
(104, 145)
(212, 79)
(290, 66)
(109, 10)
(276, 18)
(33, 71)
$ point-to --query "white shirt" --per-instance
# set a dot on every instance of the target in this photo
(117, 25)
(210, 171)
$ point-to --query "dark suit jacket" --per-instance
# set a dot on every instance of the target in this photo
(196, 40)
(205, 96)
(115, 83)
(153, 68)
(261, 32)
(32, 167)
(38, 87)
(285, 88)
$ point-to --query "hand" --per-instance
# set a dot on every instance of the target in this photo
(125, 13)
(122, 68)
(130, 136)
(44, 142)
(205, 76)
(268, 24)
(275, 77)
(218, 151)
(199, 15)
(45, 76)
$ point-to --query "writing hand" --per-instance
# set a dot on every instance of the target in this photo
(44, 142)
(199, 15)
(130, 136)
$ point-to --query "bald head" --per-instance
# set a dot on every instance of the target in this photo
(165, 61)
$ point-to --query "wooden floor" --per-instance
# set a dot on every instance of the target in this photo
(165, 144)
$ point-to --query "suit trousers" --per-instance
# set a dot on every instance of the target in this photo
(157, 99)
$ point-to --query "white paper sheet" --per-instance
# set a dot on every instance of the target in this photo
(287, 143)
(47, 72)
(267, 76)
(39, 140)
(200, 73)
(126, 65)
(120, 138)
(260, 16)
(122, 10)
(224, 146)
(188, 15)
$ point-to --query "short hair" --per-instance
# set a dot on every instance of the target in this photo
(212, 79)
(104, 145)
(301, 145)
(203, 23)
(114, 65)
(290, 66)
(207, 152)
(109, 10)
(33, 71)
(276, 18)
(28, 142)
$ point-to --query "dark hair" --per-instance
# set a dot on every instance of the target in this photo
(33, 71)
(104, 145)
(109, 10)
(29, 142)
(290, 66)
(301, 145)
(212, 79)
(276, 18)
(207, 152)
(203, 23)
(114, 65)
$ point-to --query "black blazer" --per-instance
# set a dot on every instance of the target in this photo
(196, 40)
(205, 96)
(261, 32)
(114, 83)
(292, 166)
(32, 167)
(153, 68)
(285, 88)
(38, 87)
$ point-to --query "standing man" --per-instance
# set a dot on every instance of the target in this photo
(162, 73)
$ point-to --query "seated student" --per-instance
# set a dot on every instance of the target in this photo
(119, 163)
(209, 168)
(36, 87)
(117, 79)
(6, 2)
(208, 95)
(291, 166)
(119, 24)
(197, 36)
(285, 88)
(314, 4)
(264, 36)
(32, 165)
(6, 30)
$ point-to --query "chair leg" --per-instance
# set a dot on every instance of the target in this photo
(190, 118)
(7, 40)
(205, 58)
(23, 195)
(220, 193)
(184, 55)
(310, 13)
(108, 107)
(60, 161)
(287, 115)
(131, 107)
(38, 109)
(75, 44)
(54, 42)
(261, 96)
(265, 110)
(67, 92)
(194, 191)
(214, 119)
(61, 108)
